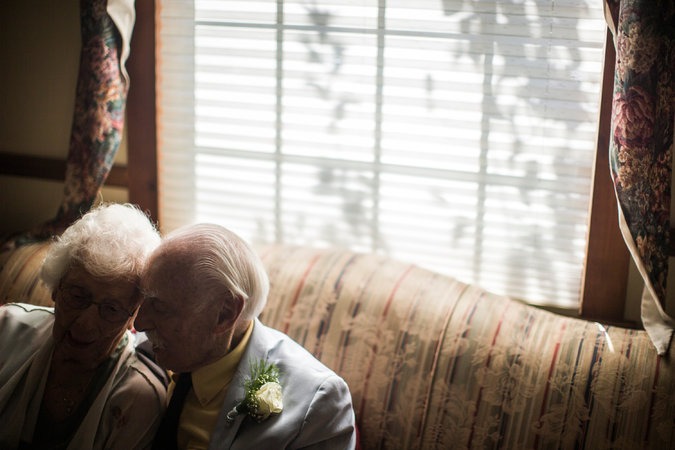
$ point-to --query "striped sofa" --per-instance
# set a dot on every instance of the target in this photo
(433, 363)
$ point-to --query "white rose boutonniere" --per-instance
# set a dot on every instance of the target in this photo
(263, 393)
(268, 398)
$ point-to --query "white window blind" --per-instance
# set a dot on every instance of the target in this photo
(458, 135)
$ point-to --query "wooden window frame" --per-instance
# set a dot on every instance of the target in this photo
(604, 281)
(141, 123)
(605, 277)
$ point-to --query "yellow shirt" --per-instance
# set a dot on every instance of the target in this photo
(205, 400)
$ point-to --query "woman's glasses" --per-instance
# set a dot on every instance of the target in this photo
(76, 298)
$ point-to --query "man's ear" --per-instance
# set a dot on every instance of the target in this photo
(229, 313)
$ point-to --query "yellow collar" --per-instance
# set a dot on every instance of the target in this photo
(210, 380)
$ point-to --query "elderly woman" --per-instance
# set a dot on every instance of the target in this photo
(69, 376)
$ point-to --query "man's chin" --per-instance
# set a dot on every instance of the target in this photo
(159, 353)
(157, 346)
(162, 358)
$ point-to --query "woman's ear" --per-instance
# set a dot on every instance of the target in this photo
(229, 313)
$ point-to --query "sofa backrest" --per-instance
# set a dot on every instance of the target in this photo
(433, 363)
(19, 275)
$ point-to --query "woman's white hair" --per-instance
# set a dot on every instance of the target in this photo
(224, 260)
(112, 240)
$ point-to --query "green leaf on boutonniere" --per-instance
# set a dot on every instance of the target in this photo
(262, 393)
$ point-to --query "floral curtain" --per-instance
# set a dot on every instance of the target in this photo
(641, 147)
(99, 112)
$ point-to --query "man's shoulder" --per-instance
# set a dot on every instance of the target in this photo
(280, 345)
(317, 407)
(295, 362)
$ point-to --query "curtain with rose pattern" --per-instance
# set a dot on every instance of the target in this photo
(641, 145)
(98, 117)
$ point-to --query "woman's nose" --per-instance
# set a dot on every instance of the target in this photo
(87, 320)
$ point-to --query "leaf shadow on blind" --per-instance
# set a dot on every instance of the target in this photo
(459, 135)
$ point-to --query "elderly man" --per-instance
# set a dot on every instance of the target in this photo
(242, 385)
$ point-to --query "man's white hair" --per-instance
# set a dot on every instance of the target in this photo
(112, 240)
(225, 260)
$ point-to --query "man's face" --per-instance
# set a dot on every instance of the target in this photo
(178, 313)
(91, 315)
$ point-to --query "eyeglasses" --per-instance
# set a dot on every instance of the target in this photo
(79, 299)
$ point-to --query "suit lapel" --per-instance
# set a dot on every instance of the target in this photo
(225, 432)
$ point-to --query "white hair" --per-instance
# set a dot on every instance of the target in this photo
(225, 260)
(112, 240)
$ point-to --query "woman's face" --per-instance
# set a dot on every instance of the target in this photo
(91, 315)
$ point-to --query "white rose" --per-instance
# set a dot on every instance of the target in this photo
(269, 400)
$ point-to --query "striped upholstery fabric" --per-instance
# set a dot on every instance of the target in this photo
(433, 363)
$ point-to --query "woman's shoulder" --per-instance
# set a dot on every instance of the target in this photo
(24, 318)
(138, 381)
(27, 309)
(132, 403)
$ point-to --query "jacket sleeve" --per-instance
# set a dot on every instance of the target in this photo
(329, 423)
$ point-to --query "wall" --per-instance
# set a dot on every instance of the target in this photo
(40, 52)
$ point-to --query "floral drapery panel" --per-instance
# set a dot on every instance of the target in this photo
(98, 117)
(642, 143)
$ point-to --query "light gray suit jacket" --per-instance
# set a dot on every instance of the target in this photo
(317, 411)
